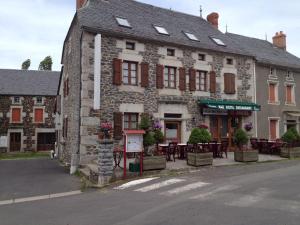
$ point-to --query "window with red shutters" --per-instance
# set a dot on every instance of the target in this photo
(170, 77)
(201, 80)
(144, 75)
(272, 93)
(192, 82)
(289, 94)
(130, 73)
(16, 115)
(212, 82)
(117, 71)
(38, 115)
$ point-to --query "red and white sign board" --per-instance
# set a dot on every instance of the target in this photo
(133, 143)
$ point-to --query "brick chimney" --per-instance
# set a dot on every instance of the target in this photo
(213, 19)
(80, 3)
(279, 40)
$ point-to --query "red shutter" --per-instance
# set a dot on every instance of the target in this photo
(38, 115)
(145, 74)
(159, 76)
(117, 67)
(272, 93)
(273, 129)
(182, 79)
(229, 83)
(118, 125)
(192, 80)
(16, 115)
(289, 94)
(212, 82)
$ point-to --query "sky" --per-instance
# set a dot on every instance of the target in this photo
(37, 28)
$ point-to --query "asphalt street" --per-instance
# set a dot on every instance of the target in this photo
(31, 177)
(256, 194)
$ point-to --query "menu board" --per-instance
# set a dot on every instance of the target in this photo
(3, 141)
(134, 143)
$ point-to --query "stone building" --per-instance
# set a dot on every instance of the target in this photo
(122, 58)
(277, 75)
(27, 110)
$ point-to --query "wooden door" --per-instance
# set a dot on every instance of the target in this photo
(173, 132)
(46, 141)
(214, 127)
(15, 142)
(273, 129)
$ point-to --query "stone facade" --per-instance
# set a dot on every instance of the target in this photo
(137, 99)
(27, 127)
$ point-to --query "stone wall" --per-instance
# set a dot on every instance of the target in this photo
(27, 125)
(114, 97)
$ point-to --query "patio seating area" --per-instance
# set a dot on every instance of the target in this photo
(180, 150)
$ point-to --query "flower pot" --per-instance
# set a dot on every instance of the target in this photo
(199, 159)
(154, 163)
(290, 152)
(245, 155)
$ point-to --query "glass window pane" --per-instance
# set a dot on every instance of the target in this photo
(133, 66)
(133, 80)
(125, 65)
(133, 74)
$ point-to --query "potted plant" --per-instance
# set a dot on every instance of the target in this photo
(153, 135)
(243, 153)
(105, 131)
(199, 158)
(292, 148)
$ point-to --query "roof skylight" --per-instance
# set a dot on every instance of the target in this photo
(161, 30)
(123, 22)
(218, 41)
(191, 36)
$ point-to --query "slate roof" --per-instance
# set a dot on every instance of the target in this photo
(100, 15)
(28, 82)
(266, 52)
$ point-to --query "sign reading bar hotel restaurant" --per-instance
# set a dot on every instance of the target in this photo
(3, 142)
(233, 107)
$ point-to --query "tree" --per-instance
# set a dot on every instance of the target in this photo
(46, 64)
(26, 64)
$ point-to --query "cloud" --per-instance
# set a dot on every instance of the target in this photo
(37, 28)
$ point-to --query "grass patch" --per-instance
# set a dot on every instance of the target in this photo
(23, 155)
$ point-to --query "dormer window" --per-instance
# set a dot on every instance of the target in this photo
(272, 71)
(201, 57)
(161, 30)
(191, 36)
(130, 45)
(123, 22)
(170, 52)
(218, 41)
(289, 74)
(229, 61)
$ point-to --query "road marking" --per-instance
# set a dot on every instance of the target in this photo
(185, 188)
(40, 197)
(134, 183)
(159, 185)
(215, 191)
(248, 200)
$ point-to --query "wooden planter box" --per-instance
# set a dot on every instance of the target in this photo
(246, 156)
(154, 163)
(199, 159)
(290, 152)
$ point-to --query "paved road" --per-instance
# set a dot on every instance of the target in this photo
(258, 194)
(31, 177)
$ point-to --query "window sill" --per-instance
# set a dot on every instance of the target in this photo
(290, 103)
(273, 103)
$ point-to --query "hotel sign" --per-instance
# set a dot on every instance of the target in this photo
(233, 107)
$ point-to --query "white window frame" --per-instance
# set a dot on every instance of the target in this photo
(277, 126)
(293, 103)
(161, 30)
(123, 22)
(277, 102)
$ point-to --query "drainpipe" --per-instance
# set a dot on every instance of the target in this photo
(255, 99)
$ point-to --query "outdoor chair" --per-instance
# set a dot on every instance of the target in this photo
(172, 150)
(224, 148)
(254, 143)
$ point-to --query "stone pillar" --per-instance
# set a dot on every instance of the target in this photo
(105, 161)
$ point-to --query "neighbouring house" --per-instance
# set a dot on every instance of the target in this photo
(277, 75)
(123, 58)
(27, 110)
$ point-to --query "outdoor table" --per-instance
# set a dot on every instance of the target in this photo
(165, 149)
(182, 150)
(214, 147)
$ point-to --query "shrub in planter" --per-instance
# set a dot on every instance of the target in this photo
(199, 135)
(145, 123)
(240, 138)
(295, 132)
(289, 136)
